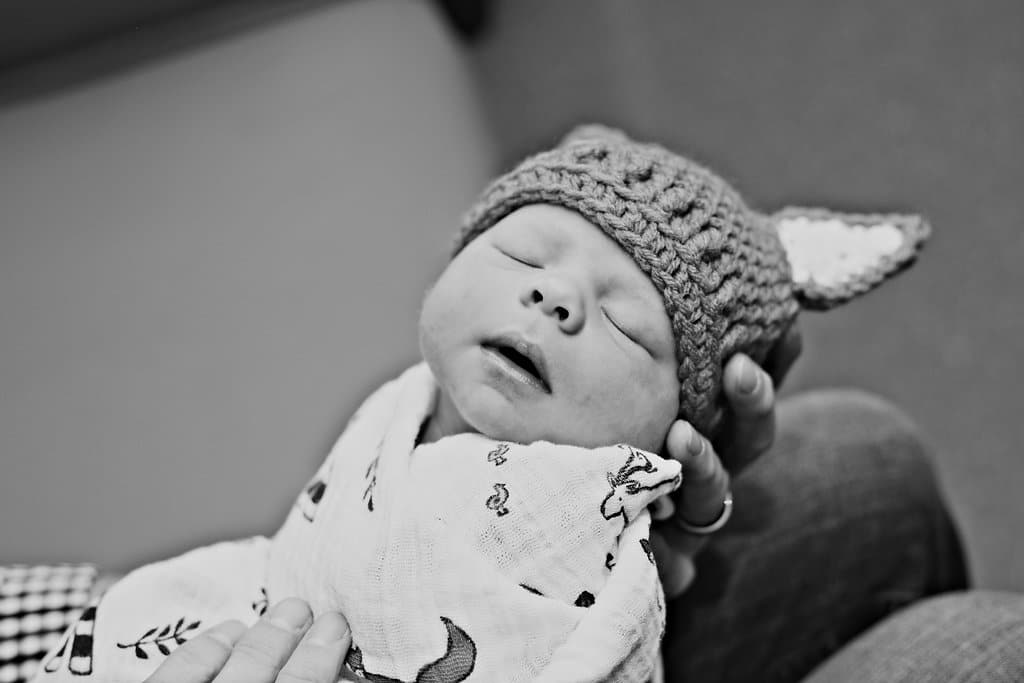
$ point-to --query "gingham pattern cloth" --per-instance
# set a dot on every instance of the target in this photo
(37, 605)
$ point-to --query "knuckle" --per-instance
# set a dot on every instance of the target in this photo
(311, 663)
(761, 438)
(756, 433)
(762, 443)
(301, 673)
(255, 654)
(202, 659)
(677, 578)
(252, 648)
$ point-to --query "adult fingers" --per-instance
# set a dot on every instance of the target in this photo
(675, 565)
(750, 430)
(261, 653)
(785, 352)
(200, 659)
(319, 655)
(705, 485)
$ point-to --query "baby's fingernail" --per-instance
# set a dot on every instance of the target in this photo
(749, 376)
(328, 629)
(289, 614)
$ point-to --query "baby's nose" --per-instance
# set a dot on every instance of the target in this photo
(560, 300)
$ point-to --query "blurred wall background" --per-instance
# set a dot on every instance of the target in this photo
(214, 231)
(915, 105)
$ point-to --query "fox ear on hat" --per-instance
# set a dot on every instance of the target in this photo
(593, 131)
(836, 257)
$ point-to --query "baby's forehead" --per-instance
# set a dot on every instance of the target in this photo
(569, 231)
(565, 235)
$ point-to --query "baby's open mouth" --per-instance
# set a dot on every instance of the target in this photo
(523, 355)
(519, 359)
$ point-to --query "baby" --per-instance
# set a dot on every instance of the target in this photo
(484, 516)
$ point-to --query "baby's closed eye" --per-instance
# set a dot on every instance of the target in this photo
(525, 259)
(627, 330)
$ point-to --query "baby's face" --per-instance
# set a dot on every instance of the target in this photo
(543, 328)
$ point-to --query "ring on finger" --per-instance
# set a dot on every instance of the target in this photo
(707, 529)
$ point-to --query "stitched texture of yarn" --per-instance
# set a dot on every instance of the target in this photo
(719, 266)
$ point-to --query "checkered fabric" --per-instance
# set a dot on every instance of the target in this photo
(37, 605)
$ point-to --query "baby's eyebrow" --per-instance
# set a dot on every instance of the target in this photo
(538, 235)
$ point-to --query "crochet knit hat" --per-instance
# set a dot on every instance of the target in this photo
(732, 279)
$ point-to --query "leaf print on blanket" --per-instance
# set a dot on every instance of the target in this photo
(160, 640)
(311, 496)
(454, 666)
(262, 603)
(371, 479)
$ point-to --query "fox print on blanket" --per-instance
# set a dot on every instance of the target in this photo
(636, 475)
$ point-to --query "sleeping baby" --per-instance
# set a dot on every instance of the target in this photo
(484, 516)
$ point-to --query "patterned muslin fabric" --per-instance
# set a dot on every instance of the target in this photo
(465, 559)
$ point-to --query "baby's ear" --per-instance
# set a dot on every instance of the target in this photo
(838, 256)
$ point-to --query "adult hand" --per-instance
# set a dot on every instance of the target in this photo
(748, 433)
(749, 427)
(285, 646)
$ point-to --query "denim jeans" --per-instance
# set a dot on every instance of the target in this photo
(838, 527)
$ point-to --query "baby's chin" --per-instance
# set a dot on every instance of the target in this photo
(525, 433)
(504, 425)
(494, 418)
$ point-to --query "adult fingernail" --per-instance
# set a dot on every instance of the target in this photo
(328, 629)
(749, 376)
(290, 614)
(695, 444)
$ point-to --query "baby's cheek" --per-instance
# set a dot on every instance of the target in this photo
(646, 409)
(607, 418)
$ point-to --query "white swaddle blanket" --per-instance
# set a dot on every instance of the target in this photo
(463, 559)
